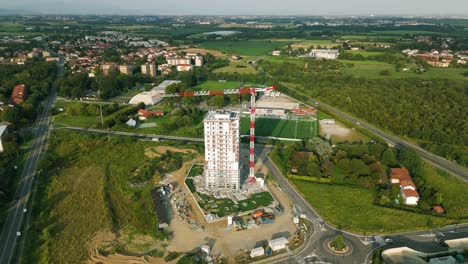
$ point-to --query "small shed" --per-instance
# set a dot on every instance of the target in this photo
(278, 243)
(206, 249)
(257, 252)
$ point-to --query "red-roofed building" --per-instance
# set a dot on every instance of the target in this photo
(438, 209)
(144, 114)
(304, 111)
(408, 190)
(19, 94)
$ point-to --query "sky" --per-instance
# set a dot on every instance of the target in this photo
(242, 7)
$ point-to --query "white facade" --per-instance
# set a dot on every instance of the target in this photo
(325, 54)
(3, 130)
(257, 252)
(222, 138)
(278, 243)
(149, 69)
(198, 61)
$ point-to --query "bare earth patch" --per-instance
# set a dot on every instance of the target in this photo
(338, 132)
(205, 51)
(161, 150)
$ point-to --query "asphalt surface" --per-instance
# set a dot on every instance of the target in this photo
(362, 247)
(14, 222)
(437, 161)
(315, 249)
(137, 135)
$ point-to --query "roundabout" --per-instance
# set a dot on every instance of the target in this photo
(341, 248)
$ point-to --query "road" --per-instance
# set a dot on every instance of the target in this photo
(16, 214)
(137, 135)
(315, 249)
(437, 161)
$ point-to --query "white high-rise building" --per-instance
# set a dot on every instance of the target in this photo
(222, 138)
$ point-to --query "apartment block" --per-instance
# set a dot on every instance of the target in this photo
(222, 138)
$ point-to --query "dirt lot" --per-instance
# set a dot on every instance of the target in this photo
(225, 241)
(158, 151)
(340, 132)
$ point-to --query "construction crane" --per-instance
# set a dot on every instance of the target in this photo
(243, 90)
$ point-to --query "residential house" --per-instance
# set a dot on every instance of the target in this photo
(408, 190)
(184, 67)
(149, 69)
(126, 69)
(144, 114)
(19, 94)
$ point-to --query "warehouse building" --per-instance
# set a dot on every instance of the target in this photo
(153, 96)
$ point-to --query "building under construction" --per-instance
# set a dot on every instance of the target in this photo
(222, 139)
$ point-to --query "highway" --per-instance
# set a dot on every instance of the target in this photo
(13, 230)
(437, 161)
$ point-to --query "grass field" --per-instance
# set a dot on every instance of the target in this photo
(365, 53)
(240, 67)
(216, 85)
(372, 69)
(249, 48)
(268, 127)
(86, 190)
(352, 209)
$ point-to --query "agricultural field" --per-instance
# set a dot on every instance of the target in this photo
(245, 47)
(85, 196)
(217, 85)
(270, 127)
(240, 67)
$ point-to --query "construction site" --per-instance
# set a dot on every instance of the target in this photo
(226, 192)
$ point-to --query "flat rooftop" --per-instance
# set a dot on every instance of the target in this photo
(222, 115)
(162, 86)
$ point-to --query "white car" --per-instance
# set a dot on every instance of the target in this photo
(18, 233)
(25, 210)
(388, 240)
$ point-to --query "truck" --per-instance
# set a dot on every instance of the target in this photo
(258, 213)
(267, 218)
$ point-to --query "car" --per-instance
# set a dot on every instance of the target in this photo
(18, 233)
(388, 240)
(25, 210)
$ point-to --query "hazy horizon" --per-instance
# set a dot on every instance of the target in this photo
(243, 7)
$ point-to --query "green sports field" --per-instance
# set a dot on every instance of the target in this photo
(216, 85)
(269, 127)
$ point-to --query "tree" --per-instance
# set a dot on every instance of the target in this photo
(411, 160)
(389, 157)
(218, 101)
(338, 243)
